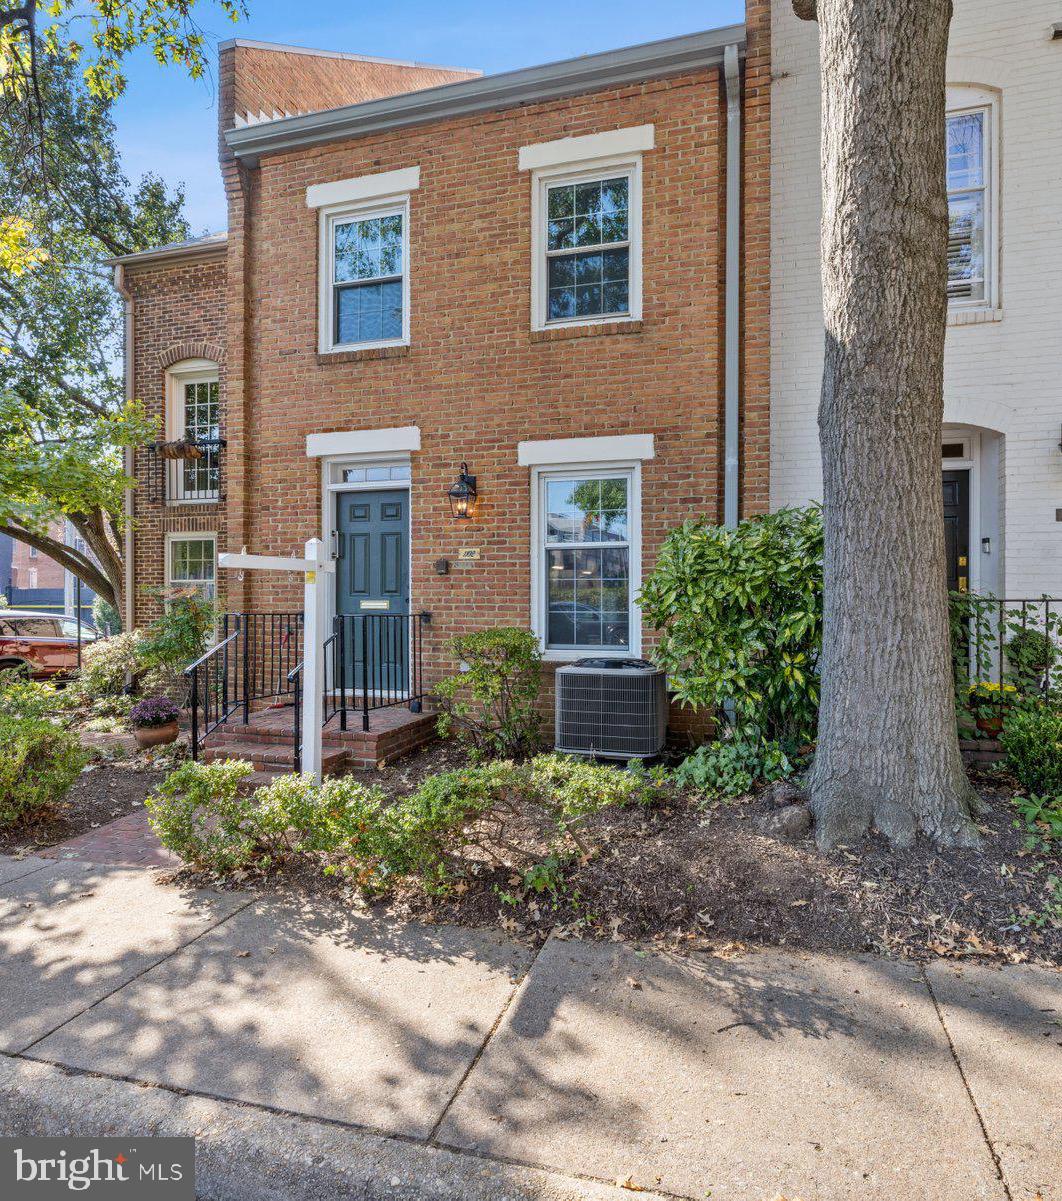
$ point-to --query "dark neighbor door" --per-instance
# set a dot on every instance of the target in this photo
(957, 529)
(372, 582)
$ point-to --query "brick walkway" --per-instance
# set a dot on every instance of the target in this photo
(128, 840)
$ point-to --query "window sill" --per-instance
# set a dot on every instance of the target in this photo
(982, 316)
(598, 329)
(360, 356)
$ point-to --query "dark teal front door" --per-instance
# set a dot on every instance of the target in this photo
(372, 587)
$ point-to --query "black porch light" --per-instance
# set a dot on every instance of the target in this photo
(463, 494)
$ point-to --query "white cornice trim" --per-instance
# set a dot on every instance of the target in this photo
(364, 187)
(617, 448)
(562, 151)
(364, 442)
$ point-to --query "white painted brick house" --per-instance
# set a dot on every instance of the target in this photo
(1003, 385)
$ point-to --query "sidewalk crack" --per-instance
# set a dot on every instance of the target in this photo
(482, 1047)
(996, 1161)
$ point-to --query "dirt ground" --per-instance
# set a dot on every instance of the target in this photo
(100, 794)
(681, 875)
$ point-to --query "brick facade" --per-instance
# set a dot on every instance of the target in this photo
(475, 378)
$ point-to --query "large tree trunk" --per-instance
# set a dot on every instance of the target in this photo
(888, 753)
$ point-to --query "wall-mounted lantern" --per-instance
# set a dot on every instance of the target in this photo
(463, 494)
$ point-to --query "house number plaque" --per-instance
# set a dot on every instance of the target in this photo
(467, 554)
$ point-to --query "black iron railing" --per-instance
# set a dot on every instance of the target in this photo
(372, 661)
(184, 471)
(1004, 651)
(250, 662)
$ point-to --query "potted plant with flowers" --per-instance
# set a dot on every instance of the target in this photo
(154, 721)
(988, 701)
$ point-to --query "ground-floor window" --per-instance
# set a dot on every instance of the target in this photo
(587, 554)
(192, 562)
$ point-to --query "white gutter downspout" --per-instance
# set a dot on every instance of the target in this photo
(127, 364)
(732, 410)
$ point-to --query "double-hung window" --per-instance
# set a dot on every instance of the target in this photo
(368, 278)
(191, 562)
(971, 219)
(587, 546)
(363, 259)
(194, 416)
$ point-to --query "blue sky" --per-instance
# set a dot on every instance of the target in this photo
(167, 122)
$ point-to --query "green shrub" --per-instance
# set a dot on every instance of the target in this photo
(1030, 656)
(732, 766)
(493, 705)
(199, 814)
(1041, 818)
(178, 636)
(740, 617)
(20, 697)
(105, 617)
(1032, 741)
(38, 764)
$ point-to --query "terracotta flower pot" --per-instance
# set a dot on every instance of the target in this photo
(991, 724)
(156, 735)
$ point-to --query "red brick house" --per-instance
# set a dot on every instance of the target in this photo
(424, 268)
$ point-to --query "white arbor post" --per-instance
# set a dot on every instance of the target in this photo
(317, 570)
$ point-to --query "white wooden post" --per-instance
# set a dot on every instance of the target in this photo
(315, 613)
(318, 570)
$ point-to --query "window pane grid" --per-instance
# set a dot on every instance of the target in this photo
(201, 478)
(967, 206)
(192, 564)
(368, 279)
(586, 555)
(588, 249)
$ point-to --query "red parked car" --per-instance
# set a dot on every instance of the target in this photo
(39, 644)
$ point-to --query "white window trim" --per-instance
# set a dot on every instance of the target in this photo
(539, 476)
(963, 100)
(607, 449)
(189, 371)
(401, 438)
(188, 536)
(564, 152)
(363, 187)
(587, 171)
(329, 216)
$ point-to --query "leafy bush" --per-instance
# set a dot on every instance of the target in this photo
(37, 767)
(178, 636)
(733, 766)
(493, 705)
(1030, 656)
(740, 616)
(199, 814)
(152, 712)
(1041, 818)
(20, 697)
(105, 617)
(1032, 741)
(483, 812)
(109, 664)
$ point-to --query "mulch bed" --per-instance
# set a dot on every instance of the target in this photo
(683, 876)
(99, 795)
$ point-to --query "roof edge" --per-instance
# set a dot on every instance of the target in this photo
(209, 244)
(508, 89)
(347, 56)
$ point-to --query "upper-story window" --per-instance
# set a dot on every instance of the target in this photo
(972, 220)
(368, 281)
(364, 260)
(586, 235)
(193, 415)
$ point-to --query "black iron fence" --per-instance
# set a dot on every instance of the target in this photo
(372, 661)
(184, 471)
(249, 663)
(1004, 651)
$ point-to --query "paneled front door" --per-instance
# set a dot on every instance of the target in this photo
(372, 585)
(957, 529)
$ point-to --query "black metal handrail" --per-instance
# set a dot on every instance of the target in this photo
(217, 700)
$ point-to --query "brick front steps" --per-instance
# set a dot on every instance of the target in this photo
(266, 741)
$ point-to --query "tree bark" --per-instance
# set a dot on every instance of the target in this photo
(888, 753)
(105, 582)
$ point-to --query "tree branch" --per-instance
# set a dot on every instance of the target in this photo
(66, 556)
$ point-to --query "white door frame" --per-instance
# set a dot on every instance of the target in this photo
(971, 462)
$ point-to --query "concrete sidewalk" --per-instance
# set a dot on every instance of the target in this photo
(317, 1052)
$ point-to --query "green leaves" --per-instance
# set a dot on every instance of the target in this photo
(740, 619)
